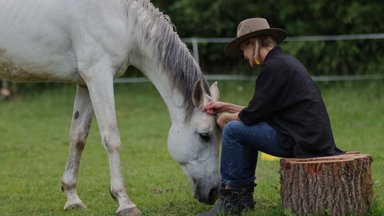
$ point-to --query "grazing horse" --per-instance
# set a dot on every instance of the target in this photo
(90, 42)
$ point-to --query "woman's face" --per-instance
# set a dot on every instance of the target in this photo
(248, 48)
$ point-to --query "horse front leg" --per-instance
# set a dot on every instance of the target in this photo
(81, 122)
(101, 91)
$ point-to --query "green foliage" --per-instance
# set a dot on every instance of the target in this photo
(201, 18)
(34, 148)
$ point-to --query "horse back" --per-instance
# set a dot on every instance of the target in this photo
(50, 39)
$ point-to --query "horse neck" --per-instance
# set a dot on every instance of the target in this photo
(172, 97)
(161, 55)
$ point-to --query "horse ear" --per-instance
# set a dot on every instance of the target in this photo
(214, 89)
(197, 94)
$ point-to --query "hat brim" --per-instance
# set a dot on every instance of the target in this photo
(233, 47)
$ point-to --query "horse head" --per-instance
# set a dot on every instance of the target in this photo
(195, 146)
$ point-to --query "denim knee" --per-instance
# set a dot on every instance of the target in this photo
(231, 128)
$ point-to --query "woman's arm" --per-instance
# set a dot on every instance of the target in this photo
(224, 118)
(215, 107)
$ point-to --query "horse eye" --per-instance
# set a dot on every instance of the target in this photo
(205, 137)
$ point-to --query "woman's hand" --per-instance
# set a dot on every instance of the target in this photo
(214, 107)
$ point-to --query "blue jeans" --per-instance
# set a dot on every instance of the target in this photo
(240, 147)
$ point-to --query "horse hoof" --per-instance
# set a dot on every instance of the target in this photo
(129, 212)
(74, 206)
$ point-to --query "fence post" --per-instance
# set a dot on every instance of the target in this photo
(195, 48)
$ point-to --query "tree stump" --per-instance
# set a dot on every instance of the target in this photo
(334, 185)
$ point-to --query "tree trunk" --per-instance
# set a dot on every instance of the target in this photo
(335, 185)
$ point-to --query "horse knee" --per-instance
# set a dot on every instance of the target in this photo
(111, 144)
(79, 141)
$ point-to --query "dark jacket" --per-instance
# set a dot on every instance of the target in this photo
(287, 98)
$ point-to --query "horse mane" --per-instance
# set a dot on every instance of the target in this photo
(172, 54)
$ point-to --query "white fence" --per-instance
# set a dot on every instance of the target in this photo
(195, 51)
(196, 41)
(219, 77)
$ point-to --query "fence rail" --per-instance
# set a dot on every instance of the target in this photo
(195, 50)
(220, 77)
(297, 38)
(196, 41)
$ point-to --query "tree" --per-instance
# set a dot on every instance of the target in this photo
(201, 18)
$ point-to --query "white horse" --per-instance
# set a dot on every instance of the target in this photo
(90, 42)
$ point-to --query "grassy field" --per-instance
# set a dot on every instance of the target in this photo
(34, 146)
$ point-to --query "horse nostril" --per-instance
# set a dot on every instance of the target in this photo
(198, 193)
(213, 195)
(194, 181)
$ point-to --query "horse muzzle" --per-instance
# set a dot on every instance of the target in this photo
(205, 194)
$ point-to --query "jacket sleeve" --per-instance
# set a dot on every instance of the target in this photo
(269, 86)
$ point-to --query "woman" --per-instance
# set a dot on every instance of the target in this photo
(286, 116)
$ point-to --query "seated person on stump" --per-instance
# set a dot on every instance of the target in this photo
(286, 116)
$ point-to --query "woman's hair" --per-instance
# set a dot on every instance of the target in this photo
(263, 40)
(266, 41)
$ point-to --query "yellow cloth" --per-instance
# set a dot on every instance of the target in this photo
(265, 156)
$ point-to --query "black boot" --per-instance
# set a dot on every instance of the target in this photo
(227, 204)
(246, 196)
(232, 202)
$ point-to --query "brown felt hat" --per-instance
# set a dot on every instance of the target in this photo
(250, 28)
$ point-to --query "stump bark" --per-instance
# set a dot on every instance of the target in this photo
(334, 185)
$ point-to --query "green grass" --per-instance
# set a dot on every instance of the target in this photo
(34, 144)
